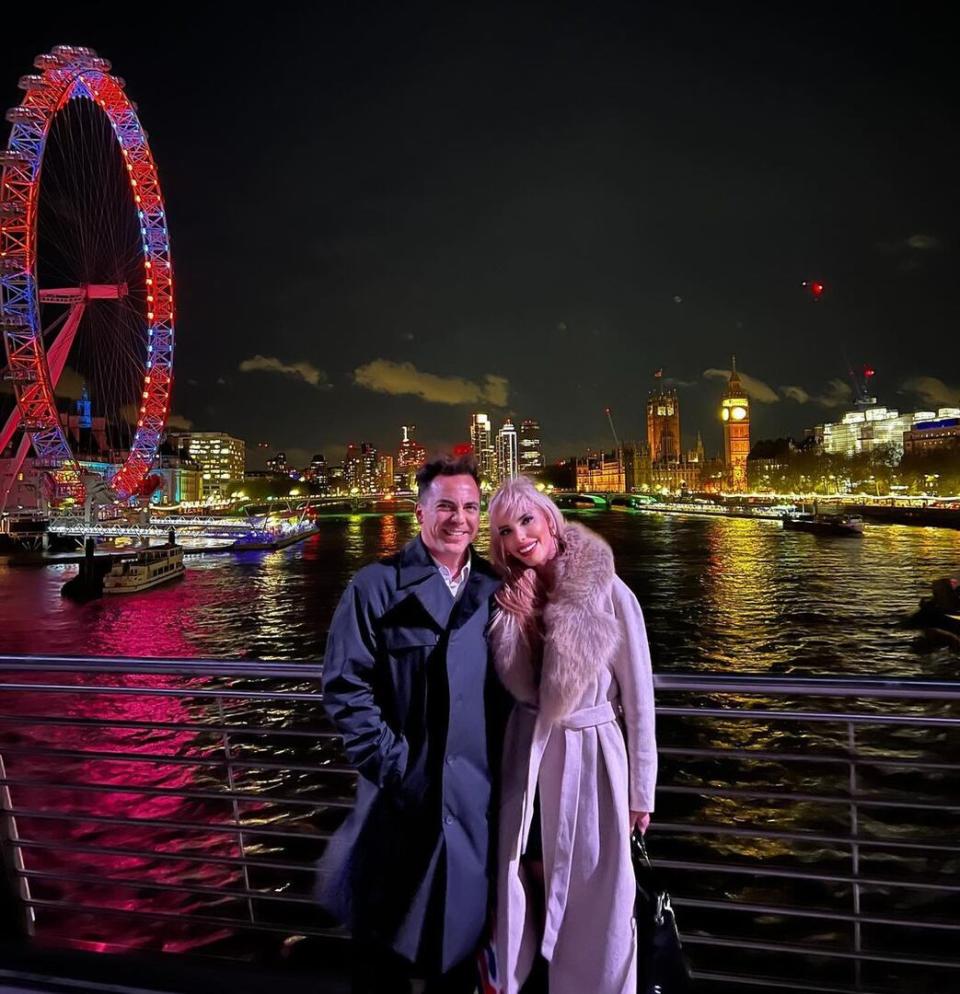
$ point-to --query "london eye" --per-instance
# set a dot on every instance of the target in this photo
(86, 284)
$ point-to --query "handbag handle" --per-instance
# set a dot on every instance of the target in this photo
(640, 846)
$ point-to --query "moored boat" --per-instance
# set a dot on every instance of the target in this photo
(150, 568)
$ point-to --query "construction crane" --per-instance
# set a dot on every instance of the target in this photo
(616, 440)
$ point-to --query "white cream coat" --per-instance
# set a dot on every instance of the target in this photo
(585, 734)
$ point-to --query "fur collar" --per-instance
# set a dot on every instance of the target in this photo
(581, 634)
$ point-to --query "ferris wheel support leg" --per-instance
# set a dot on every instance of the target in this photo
(56, 361)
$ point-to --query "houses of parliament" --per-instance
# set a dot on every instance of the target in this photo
(659, 463)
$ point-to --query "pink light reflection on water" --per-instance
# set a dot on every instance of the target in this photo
(66, 797)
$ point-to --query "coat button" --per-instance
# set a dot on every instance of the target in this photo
(449, 820)
(450, 760)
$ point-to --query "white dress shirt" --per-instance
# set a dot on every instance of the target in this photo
(455, 584)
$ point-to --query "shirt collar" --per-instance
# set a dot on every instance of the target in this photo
(447, 575)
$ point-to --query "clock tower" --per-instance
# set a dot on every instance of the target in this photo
(735, 415)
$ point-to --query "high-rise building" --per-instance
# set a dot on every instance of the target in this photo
(735, 415)
(360, 468)
(481, 438)
(663, 422)
(411, 456)
(221, 457)
(508, 453)
(385, 482)
(317, 473)
(531, 450)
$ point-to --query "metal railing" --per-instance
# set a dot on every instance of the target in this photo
(805, 826)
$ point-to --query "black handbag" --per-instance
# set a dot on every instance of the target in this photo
(661, 965)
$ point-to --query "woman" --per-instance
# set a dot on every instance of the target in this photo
(580, 762)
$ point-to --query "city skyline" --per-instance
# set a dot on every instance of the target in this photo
(534, 216)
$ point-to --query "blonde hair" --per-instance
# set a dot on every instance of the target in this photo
(522, 593)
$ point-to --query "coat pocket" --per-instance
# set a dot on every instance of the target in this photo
(401, 639)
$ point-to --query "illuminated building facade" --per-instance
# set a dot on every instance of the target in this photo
(663, 423)
(360, 468)
(410, 457)
(531, 450)
(508, 458)
(864, 430)
(601, 472)
(735, 416)
(220, 456)
(481, 438)
(934, 433)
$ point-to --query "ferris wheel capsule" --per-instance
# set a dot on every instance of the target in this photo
(31, 82)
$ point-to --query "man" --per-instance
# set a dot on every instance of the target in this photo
(407, 682)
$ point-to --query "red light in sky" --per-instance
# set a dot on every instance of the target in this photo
(816, 289)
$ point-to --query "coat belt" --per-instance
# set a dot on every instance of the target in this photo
(559, 882)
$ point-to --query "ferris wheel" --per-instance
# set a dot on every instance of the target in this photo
(86, 281)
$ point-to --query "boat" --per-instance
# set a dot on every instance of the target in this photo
(149, 568)
(825, 523)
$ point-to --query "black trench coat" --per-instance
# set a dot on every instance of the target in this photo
(407, 681)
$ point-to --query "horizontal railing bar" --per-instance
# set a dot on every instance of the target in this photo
(862, 801)
(787, 985)
(792, 949)
(902, 688)
(221, 892)
(905, 688)
(181, 826)
(815, 913)
(180, 693)
(168, 726)
(342, 768)
(692, 828)
(330, 933)
(252, 669)
(174, 857)
(856, 759)
(835, 717)
(226, 795)
(783, 873)
(194, 795)
(234, 762)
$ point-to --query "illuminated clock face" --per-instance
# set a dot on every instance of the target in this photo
(725, 414)
(738, 413)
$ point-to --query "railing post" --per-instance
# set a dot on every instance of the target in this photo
(16, 913)
(228, 757)
(855, 851)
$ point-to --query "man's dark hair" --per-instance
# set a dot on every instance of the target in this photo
(445, 466)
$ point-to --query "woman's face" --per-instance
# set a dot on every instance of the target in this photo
(526, 537)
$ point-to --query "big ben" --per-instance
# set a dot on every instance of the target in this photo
(735, 414)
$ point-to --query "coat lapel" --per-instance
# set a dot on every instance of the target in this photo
(481, 586)
(417, 574)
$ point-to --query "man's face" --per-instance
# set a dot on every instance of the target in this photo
(449, 516)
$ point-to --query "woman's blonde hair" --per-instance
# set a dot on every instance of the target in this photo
(522, 591)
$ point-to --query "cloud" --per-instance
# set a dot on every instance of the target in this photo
(756, 389)
(796, 393)
(932, 391)
(302, 370)
(674, 382)
(923, 243)
(837, 393)
(384, 376)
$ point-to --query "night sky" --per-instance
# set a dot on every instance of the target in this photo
(399, 213)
